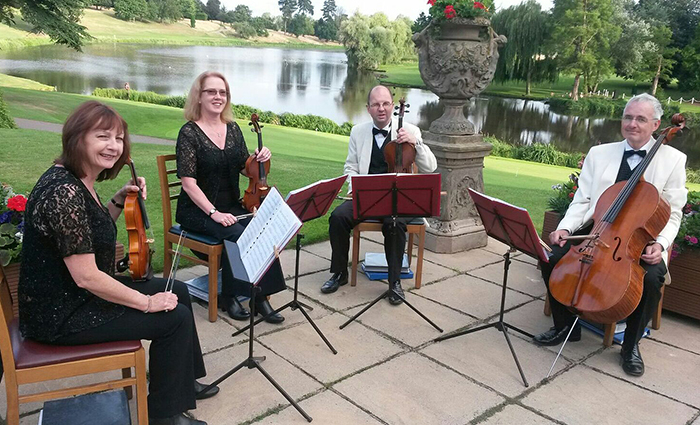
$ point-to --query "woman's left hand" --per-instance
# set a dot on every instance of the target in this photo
(264, 155)
(120, 196)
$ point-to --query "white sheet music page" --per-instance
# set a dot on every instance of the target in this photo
(273, 226)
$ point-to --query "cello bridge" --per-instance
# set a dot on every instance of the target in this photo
(586, 259)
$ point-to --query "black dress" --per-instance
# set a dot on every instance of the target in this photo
(217, 173)
(63, 219)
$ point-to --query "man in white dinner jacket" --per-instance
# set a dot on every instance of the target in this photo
(604, 166)
(365, 156)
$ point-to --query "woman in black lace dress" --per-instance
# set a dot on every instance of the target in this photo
(211, 155)
(68, 293)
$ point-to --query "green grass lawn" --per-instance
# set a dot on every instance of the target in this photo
(105, 27)
(407, 75)
(23, 83)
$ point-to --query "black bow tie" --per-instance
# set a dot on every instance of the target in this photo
(630, 152)
(376, 131)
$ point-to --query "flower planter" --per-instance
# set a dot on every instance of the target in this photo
(551, 221)
(683, 294)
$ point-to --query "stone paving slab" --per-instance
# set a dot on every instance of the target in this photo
(214, 336)
(411, 389)
(308, 263)
(402, 323)
(678, 330)
(358, 347)
(485, 357)
(583, 396)
(326, 407)
(291, 317)
(514, 414)
(321, 249)
(247, 394)
(670, 371)
(523, 277)
(346, 296)
(471, 295)
(464, 261)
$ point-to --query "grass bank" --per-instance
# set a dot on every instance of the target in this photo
(408, 75)
(106, 28)
(23, 83)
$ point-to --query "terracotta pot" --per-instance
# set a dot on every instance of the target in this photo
(683, 294)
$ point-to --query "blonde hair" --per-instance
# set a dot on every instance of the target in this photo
(193, 108)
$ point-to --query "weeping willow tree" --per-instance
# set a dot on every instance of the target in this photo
(524, 57)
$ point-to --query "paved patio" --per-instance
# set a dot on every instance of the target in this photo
(388, 370)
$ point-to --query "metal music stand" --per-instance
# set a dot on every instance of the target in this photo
(308, 203)
(251, 362)
(377, 196)
(512, 226)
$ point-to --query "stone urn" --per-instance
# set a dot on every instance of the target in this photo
(457, 61)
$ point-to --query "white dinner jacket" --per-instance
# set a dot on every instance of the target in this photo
(666, 172)
(360, 149)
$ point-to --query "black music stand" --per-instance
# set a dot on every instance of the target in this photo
(512, 226)
(251, 362)
(376, 196)
(308, 203)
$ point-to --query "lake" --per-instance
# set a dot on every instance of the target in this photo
(303, 82)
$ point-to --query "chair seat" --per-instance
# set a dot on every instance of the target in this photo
(417, 221)
(176, 230)
(33, 354)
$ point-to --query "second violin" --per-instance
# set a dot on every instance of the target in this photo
(257, 173)
(400, 156)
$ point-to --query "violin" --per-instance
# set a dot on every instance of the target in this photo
(400, 156)
(138, 258)
(600, 279)
(257, 173)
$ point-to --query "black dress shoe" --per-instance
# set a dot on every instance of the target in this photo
(233, 307)
(632, 362)
(396, 297)
(179, 419)
(264, 308)
(199, 395)
(556, 336)
(335, 282)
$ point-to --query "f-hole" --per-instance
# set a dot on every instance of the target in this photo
(617, 247)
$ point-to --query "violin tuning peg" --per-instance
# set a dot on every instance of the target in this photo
(396, 113)
(408, 106)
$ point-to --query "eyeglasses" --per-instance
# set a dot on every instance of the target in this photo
(639, 119)
(385, 105)
(213, 92)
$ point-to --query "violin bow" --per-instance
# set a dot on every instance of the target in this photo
(176, 263)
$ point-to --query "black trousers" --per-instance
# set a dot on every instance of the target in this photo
(175, 357)
(637, 321)
(271, 282)
(341, 223)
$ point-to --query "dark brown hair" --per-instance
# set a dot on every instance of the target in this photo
(88, 116)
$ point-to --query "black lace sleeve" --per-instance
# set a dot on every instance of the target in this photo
(62, 215)
(241, 150)
(187, 152)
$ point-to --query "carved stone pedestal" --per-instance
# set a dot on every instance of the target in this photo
(460, 161)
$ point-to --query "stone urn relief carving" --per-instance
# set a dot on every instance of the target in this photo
(457, 61)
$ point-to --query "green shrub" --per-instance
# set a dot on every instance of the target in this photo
(600, 106)
(6, 120)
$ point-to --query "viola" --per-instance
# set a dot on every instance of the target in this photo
(400, 156)
(257, 172)
(138, 258)
(600, 279)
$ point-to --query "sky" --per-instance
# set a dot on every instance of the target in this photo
(392, 8)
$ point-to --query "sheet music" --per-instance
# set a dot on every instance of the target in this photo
(273, 226)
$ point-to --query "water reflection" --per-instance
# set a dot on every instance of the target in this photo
(299, 81)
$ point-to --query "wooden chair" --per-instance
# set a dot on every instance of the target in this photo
(415, 227)
(194, 241)
(27, 362)
(610, 327)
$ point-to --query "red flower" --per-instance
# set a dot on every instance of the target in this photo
(450, 11)
(17, 203)
(574, 188)
(479, 5)
(431, 2)
(571, 195)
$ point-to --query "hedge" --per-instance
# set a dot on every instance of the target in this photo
(6, 120)
(597, 106)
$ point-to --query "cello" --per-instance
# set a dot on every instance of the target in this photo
(600, 279)
(138, 257)
(400, 156)
(257, 173)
